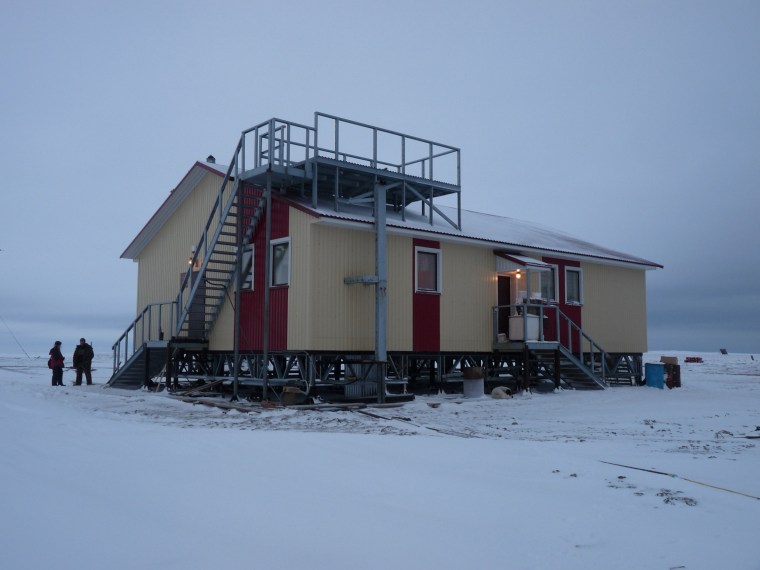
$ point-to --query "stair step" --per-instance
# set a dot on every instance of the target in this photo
(220, 261)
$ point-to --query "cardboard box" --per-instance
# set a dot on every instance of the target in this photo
(669, 359)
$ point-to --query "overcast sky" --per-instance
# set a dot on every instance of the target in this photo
(635, 125)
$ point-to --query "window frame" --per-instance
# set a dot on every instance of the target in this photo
(272, 245)
(579, 272)
(555, 273)
(439, 271)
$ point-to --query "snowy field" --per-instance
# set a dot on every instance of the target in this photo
(96, 478)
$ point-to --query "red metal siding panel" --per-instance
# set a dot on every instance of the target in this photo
(573, 312)
(426, 311)
(278, 319)
(252, 302)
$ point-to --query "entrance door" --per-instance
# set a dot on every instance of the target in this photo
(504, 287)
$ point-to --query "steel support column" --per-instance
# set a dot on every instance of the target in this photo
(238, 285)
(267, 279)
(381, 289)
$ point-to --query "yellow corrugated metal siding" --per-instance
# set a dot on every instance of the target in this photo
(614, 309)
(164, 259)
(326, 314)
(342, 316)
(468, 295)
(222, 335)
(300, 294)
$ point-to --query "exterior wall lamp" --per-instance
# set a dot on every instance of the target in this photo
(192, 255)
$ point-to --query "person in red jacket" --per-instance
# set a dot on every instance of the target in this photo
(56, 361)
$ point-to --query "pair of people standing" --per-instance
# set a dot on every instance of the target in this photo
(83, 355)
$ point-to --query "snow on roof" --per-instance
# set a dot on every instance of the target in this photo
(497, 231)
(220, 168)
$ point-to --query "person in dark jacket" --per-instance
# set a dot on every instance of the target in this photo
(83, 355)
(56, 360)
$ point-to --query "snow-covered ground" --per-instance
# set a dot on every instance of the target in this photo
(100, 478)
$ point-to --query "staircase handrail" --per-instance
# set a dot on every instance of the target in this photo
(561, 317)
(583, 335)
(202, 248)
(141, 321)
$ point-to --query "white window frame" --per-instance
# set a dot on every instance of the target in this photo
(248, 258)
(439, 271)
(579, 271)
(272, 244)
(555, 272)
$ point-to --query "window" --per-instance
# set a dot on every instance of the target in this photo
(573, 286)
(280, 262)
(247, 267)
(548, 283)
(428, 270)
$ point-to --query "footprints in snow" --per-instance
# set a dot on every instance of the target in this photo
(669, 496)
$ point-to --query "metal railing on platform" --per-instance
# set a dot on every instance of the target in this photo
(156, 322)
(386, 149)
(276, 142)
(531, 326)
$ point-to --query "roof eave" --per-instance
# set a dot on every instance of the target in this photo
(170, 205)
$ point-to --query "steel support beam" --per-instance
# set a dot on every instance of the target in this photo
(267, 279)
(238, 287)
(381, 289)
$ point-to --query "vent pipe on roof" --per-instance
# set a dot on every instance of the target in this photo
(210, 159)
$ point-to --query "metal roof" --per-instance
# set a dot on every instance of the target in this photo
(499, 232)
(515, 236)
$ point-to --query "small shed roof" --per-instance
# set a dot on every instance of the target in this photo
(506, 262)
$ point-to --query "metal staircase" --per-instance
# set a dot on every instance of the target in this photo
(572, 371)
(236, 212)
(279, 152)
(147, 362)
(583, 367)
(235, 215)
(571, 356)
(213, 267)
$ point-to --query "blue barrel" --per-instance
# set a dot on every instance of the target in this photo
(655, 374)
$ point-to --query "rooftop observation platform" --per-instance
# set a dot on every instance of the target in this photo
(342, 161)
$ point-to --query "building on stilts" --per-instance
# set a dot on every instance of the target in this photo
(335, 260)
